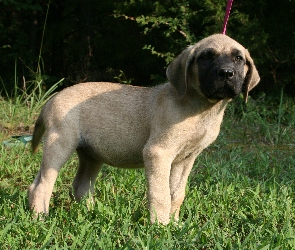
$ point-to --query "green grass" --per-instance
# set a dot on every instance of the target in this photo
(240, 193)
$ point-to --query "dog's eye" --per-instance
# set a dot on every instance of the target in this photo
(208, 55)
(205, 56)
(238, 58)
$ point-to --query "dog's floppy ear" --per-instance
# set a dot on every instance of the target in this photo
(252, 77)
(177, 71)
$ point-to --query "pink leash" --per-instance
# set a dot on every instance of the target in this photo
(228, 8)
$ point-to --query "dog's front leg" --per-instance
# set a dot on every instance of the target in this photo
(157, 169)
(180, 171)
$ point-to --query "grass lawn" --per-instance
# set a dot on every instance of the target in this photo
(240, 195)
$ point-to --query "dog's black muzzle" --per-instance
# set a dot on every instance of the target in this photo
(221, 79)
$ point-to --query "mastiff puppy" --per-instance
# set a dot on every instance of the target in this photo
(162, 129)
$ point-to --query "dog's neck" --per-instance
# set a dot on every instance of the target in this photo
(199, 100)
(219, 107)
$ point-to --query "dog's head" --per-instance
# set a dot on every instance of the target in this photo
(217, 67)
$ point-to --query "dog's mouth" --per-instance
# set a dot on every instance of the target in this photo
(226, 91)
(220, 90)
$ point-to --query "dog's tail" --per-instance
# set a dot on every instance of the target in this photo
(38, 132)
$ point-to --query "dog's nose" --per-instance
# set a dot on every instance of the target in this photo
(226, 73)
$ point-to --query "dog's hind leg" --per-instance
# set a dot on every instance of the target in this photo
(57, 150)
(88, 170)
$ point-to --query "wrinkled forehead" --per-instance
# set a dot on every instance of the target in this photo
(221, 44)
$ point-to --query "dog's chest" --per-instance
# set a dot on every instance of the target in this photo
(198, 133)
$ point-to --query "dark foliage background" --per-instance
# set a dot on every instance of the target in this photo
(133, 41)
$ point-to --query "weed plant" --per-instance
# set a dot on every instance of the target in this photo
(20, 108)
(19, 111)
(240, 194)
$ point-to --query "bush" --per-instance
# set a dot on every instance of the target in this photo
(101, 40)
